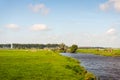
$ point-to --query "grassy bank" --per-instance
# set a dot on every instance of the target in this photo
(113, 52)
(39, 65)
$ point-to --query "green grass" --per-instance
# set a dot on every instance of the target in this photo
(114, 52)
(40, 65)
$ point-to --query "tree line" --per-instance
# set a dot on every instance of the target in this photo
(28, 46)
(56, 47)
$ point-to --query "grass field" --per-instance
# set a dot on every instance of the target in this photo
(114, 52)
(40, 65)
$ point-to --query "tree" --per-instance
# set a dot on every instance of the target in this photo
(73, 48)
(62, 47)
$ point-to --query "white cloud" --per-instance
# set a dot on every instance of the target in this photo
(39, 27)
(117, 5)
(111, 31)
(104, 6)
(39, 8)
(111, 4)
(12, 26)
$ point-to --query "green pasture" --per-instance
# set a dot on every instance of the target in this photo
(40, 65)
(104, 52)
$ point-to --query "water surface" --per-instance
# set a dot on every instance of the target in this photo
(106, 68)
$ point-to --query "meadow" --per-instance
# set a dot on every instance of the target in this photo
(104, 52)
(40, 65)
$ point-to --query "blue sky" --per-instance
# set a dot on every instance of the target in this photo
(82, 22)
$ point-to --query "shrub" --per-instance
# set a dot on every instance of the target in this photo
(73, 48)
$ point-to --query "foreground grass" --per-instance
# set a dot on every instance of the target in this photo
(114, 52)
(40, 65)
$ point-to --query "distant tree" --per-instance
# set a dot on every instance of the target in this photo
(63, 47)
(73, 48)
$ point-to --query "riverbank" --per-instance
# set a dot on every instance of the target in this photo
(105, 68)
(113, 52)
(40, 65)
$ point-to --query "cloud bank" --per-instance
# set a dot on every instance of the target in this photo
(109, 38)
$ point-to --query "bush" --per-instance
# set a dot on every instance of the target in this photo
(73, 48)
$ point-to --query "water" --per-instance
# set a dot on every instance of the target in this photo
(106, 68)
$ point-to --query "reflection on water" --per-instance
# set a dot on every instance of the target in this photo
(107, 68)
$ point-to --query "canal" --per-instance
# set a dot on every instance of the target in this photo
(106, 68)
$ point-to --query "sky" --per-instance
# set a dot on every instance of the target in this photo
(94, 23)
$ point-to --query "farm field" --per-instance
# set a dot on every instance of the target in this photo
(114, 52)
(40, 65)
